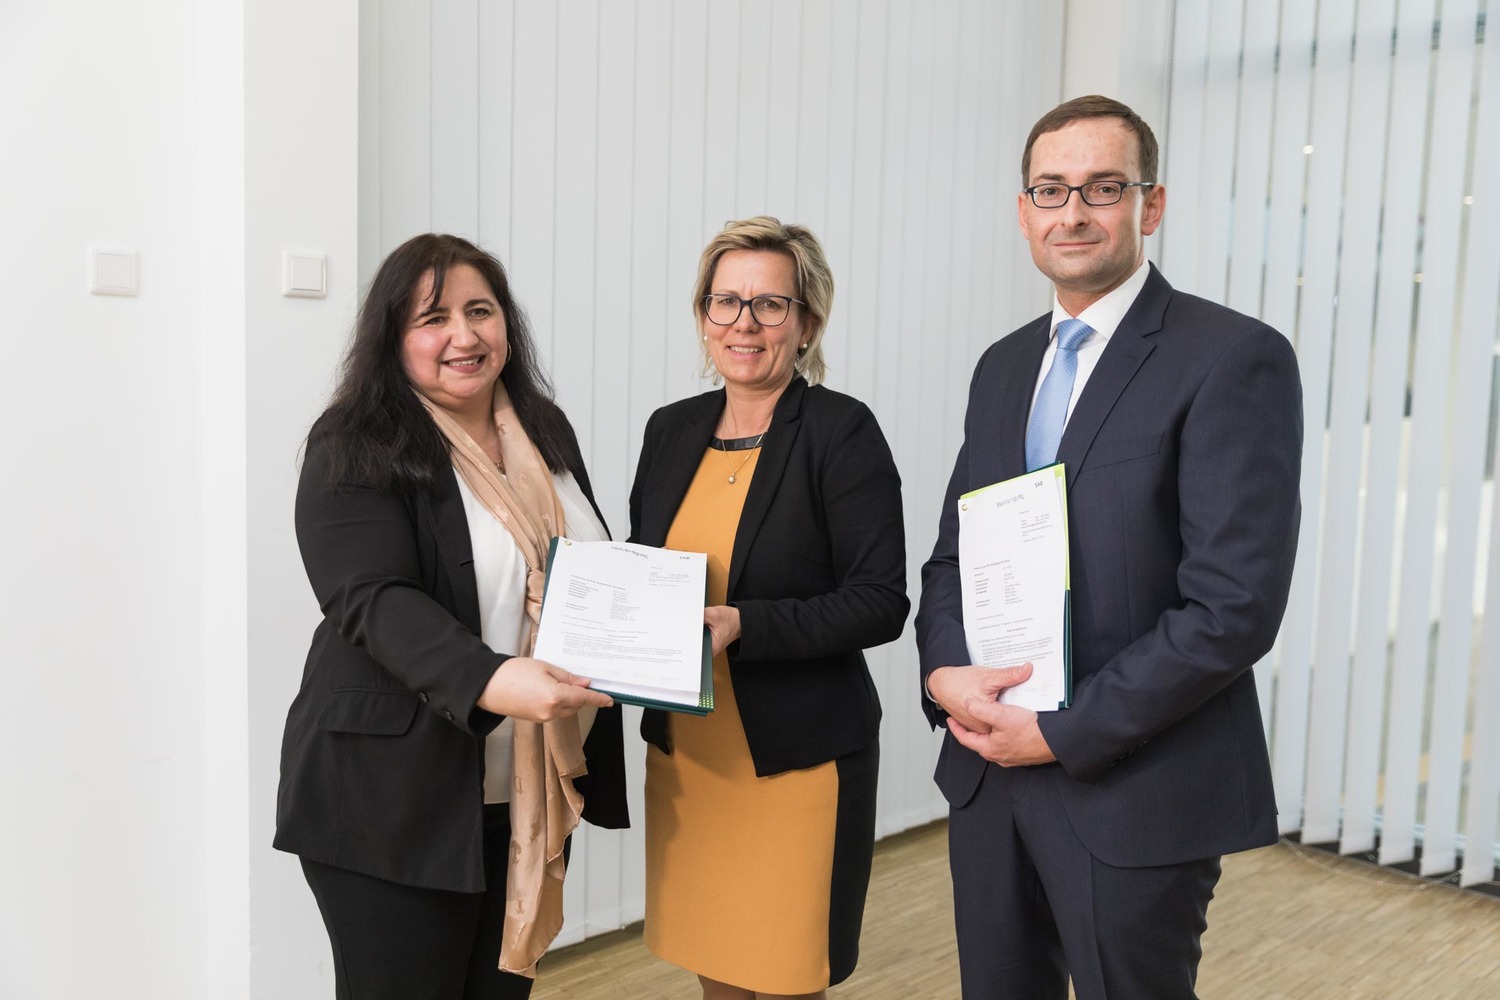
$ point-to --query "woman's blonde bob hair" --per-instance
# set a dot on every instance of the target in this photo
(814, 282)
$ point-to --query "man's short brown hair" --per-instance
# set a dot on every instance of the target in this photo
(1095, 106)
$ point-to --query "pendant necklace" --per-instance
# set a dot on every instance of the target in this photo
(734, 475)
(748, 452)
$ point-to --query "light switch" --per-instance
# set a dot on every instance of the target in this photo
(304, 274)
(113, 270)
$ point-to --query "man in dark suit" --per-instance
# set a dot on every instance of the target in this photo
(1085, 842)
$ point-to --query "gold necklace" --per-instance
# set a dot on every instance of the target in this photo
(735, 472)
(733, 476)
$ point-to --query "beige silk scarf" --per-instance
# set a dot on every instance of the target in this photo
(544, 805)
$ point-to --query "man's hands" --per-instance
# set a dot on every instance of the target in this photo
(1005, 734)
(526, 688)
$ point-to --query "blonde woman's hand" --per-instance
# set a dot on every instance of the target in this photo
(527, 688)
(723, 624)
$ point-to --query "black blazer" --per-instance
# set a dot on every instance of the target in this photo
(818, 570)
(1183, 455)
(382, 761)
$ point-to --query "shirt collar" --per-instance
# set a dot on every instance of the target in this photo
(1105, 316)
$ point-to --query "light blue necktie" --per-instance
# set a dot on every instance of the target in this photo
(1044, 430)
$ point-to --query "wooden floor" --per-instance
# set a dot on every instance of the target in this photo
(1287, 922)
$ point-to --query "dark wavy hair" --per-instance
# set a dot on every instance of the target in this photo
(376, 430)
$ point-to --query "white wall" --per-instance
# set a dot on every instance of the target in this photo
(151, 623)
(101, 729)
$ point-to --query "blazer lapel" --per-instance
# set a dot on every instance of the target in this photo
(776, 448)
(1014, 410)
(1122, 358)
(450, 526)
(681, 452)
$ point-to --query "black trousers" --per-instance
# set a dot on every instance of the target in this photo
(1033, 908)
(399, 942)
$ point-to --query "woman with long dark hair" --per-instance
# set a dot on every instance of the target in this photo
(424, 734)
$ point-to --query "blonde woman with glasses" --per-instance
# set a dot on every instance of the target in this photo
(761, 816)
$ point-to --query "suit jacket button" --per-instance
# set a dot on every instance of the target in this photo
(422, 697)
(447, 715)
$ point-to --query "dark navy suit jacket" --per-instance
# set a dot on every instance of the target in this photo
(1183, 457)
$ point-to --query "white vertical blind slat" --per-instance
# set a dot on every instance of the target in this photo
(1377, 558)
(1339, 492)
(959, 190)
(496, 39)
(455, 118)
(915, 293)
(371, 118)
(835, 231)
(652, 197)
(751, 128)
(937, 196)
(1182, 153)
(902, 735)
(912, 30)
(1252, 168)
(405, 138)
(1359, 244)
(1469, 382)
(785, 82)
(1279, 309)
(577, 134)
(691, 134)
(591, 903)
(1251, 193)
(615, 446)
(1435, 315)
(721, 95)
(995, 186)
(813, 121)
(1483, 799)
(858, 332)
(1210, 218)
(534, 169)
(1481, 830)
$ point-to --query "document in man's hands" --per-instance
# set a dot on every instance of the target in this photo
(631, 618)
(1013, 566)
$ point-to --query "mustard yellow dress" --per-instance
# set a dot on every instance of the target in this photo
(740, 869)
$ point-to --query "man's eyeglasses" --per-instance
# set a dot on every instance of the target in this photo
(1097, 194)
(767, 310)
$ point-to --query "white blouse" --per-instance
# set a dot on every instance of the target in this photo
(500, 573)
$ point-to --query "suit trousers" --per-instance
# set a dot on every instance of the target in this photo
(401, 942)
(1032, 906)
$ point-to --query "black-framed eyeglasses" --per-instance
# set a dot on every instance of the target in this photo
(767, 310)
(1097, 194)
